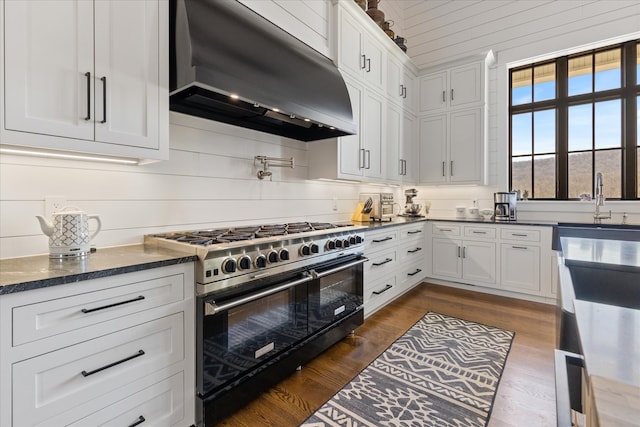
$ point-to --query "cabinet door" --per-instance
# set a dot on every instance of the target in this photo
(351, 154)
(409, 150)
(465, 146)
(374, 60)
(433, 92)
(520, 267)
(479, 262)
(446, 258)
(394, 79)
(433, 149)
(127, 73)
(395, 164)
(465, 85)
(408, 89)
(48, 53)
(350, 51)
(373, 135)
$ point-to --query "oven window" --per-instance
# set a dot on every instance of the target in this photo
(239, 339)
(335, 296)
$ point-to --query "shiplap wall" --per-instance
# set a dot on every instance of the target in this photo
(440, 31)
(210, 180)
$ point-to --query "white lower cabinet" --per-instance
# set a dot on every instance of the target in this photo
(465, 260)
(397, 262)
(512, 258)
(110, 351)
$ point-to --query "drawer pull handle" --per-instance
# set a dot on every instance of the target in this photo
(445, 229)
(137, 422)
(90, 310)
(111, 365)
(519, 235)
(377, 264)
(520, 247)
(414, 232)
(415, 272)
(414, 250)
(382, 240)
(479, 232)
(386, 288)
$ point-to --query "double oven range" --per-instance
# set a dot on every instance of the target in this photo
(268, 299)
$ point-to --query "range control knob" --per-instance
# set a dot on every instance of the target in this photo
(272, 257)
(330, 245)
(340, 243)
(355, 240)
(244, 262)
(260, 261)
(284, 254)
(229, 266)
(305, 250)
(314, 248)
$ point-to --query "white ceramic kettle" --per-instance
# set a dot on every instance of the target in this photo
(68, 232)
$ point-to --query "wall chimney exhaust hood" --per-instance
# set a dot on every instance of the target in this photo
(231, 65)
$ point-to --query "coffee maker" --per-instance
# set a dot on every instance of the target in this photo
(504, 204)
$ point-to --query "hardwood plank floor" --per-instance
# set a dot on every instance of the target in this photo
(525, 397)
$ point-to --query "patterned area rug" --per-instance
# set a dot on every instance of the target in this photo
(442, 372)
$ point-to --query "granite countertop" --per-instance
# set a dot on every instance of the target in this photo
(398, 220)
(26, 273)
(610, 341)
(490, 221)
(619, 255)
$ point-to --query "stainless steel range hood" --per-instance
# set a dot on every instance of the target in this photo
(231, 65)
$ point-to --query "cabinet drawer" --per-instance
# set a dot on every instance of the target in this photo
(446, 230)
(412, 233)
(524, 234)
(58, 381)
(412, 252)
(409, 275)
(56, 316)
(380, 240)
(379, 293)
(480, 232)
(379, 264)
(159, 404)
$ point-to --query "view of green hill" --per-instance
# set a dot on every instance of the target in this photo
(580, 170)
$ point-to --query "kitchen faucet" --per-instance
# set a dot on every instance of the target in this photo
(599, 196)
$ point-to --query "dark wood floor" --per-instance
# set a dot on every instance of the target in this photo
(525, 397)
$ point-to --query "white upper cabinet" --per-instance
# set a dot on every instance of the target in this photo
(400, 83)
(86, 76)
(459, 86)
(358, 51)
(453, 124)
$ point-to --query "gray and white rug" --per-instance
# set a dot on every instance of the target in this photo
(443, 371)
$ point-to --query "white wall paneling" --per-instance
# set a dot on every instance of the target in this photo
(210, 177)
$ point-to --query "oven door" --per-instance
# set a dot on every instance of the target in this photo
(243, 332)
(336, 292)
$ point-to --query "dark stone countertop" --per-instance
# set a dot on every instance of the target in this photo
(618, 255)
(610, 340)
(33, 272)
(396, 221)
(490, 221)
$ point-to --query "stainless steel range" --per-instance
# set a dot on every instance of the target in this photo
(269, 298)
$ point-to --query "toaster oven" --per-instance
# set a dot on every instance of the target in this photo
(382, 205)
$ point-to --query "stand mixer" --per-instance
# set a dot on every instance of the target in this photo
(410, 208)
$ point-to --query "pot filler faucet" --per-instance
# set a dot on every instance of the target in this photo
(599, 196)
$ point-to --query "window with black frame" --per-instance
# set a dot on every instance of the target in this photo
(572, 117)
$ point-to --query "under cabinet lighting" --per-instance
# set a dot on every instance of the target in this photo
(234, 96)
(68, 156)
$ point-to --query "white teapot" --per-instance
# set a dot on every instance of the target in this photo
(68, 232)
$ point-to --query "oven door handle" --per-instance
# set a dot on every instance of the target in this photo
(212, 308)
(317, 275)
